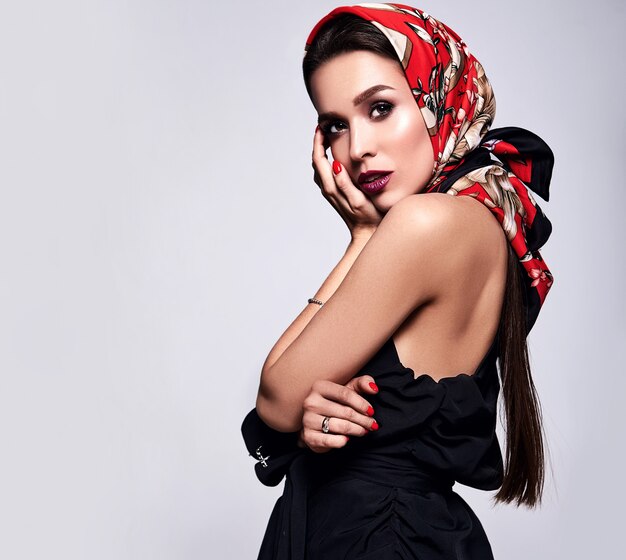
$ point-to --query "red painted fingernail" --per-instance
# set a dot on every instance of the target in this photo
(374, 386)
(336, 167)
(374, 425)
(370, 411)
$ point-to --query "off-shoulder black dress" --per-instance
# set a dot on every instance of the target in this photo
(389, 493)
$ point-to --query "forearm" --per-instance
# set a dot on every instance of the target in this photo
(273, 411)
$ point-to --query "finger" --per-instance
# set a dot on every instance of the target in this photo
(315, 413)
(320, 144)
(321, 137)
(356, 197)
(363, 384)
(321, 443)
(335, 425)
(347, 402)
(321, 165)
(325, 140)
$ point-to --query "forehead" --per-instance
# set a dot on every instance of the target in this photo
(339, 80)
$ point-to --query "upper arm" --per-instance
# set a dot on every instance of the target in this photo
(404, 265)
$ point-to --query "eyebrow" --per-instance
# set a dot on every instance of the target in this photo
(368, 93)
(363, 96)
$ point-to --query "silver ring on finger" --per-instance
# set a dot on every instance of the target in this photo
(326, 424)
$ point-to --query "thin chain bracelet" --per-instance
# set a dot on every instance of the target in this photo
(320, 303)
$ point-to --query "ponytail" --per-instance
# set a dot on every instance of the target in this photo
(525, 462)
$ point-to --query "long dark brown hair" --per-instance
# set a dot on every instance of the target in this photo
(525, 462)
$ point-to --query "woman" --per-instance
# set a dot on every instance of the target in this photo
(383, 392)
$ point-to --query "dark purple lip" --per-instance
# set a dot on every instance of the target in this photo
(367, 176)
(375, 185)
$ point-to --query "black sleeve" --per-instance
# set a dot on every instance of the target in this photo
(273, 450)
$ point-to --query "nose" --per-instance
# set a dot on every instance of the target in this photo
(362, 142)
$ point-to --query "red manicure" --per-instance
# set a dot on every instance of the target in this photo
(374, 386)
(374, 425)
(370, 411)
(336, 167)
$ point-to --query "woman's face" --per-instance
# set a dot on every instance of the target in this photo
(372, 122)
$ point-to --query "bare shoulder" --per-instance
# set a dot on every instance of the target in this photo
(445, 216)
(456, 231)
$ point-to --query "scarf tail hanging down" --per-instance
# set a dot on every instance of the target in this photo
(524, 163)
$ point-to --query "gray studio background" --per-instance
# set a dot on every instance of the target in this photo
(160, 228)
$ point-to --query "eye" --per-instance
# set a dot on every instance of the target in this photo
(328, 127)
(383, 107)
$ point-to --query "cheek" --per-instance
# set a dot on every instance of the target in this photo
(413, 144)
(339, 149)
(413, 153)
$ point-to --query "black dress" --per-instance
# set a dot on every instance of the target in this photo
(388, 494)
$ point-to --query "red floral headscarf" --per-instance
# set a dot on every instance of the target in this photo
(499, 167)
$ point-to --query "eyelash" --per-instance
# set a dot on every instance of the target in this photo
(326, 127)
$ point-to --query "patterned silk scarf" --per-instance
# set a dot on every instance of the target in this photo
(499, 167)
